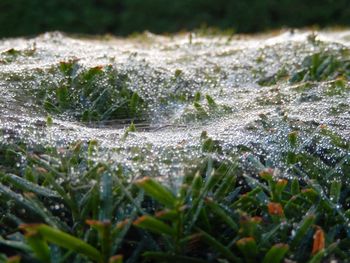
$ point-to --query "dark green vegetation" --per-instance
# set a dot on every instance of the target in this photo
(62, 206)
(21, 17)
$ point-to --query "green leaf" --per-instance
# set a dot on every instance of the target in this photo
(157, 191)
(28, 186)
(221, 213)
(317, 258)
(104, 233)
(27, 204)
(295, 188)
(212, 104)
(334, 193)
(154, 225)
(226, 186)
(197, 96)
(248, 248)
(302, 229)
(63, 97)
(218, 247)
(197, 184)
(276, 253)
(293, 138)
(200, 110)
(38, 246)
(106, 197)
(64, 240)
(134, 103)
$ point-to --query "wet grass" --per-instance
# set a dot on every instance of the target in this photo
(93, 94)
(283, 197)
(63, 206)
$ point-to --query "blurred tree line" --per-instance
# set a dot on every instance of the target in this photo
(122, 17)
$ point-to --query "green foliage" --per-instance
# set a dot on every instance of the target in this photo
(217, 212)
(323, 66)
(126, 16)
(90, 95)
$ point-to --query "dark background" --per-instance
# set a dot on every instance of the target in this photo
(123, 17)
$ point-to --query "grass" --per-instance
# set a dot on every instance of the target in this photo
(91, 94)
(62, 206)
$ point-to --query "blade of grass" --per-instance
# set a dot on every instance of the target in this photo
(28, 186)
(218, 247)
(157, 191)
(276, 253)
(154, 225)
(65, 240)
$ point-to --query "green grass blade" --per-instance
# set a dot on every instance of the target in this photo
(302, 229)
(221, 213)
(335, 190)
(248, 248)
(106, 196)
(154, 225)
(218, 247)
(157, 191)
(276, 253)
(28, 186)
(38, 246)
(65, 240)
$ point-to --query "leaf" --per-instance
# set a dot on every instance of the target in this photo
(157, 191)
(295, 188)
(27, 204)
(302, 229)
(248, 248)
(219, 211)
(317, 258)
(218, 247)
(293, 138)
(197, 184)
(28, 186)
(276, 253)
(134, 103)
(154, 225)
(212, 104)
(65, 240)
(197, 96)
(334, 193)
(38, 245)
(104, 233)
(106, 196)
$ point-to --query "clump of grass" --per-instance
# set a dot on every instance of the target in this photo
(204, 108)
(10, 55)
(94, 94)
(322, 66)
(281, 74)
